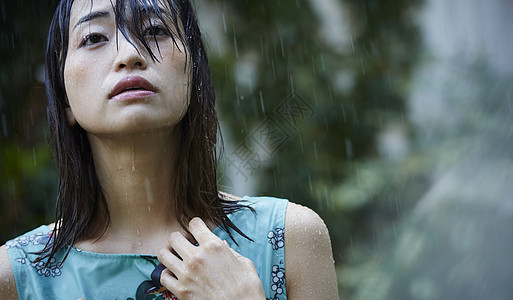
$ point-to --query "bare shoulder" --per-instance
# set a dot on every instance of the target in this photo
(309, 263)
(303, 219)
(305, 230)
(7, 284)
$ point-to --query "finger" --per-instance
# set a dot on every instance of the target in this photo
(168, 280)
(200, 231)
(171, 262)
(181, 245)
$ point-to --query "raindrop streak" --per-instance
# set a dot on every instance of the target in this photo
(281, 41)
(322, 62)
(224, 23)
(274, 70)
(133, 157)
(310, 183)
(352, 43)
(235, 45)
(328, 202)
(262, 102)
(237, 94)
(315, 151)
(355, 115)
(149, 195)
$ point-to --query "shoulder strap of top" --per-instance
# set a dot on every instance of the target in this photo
(266, 227)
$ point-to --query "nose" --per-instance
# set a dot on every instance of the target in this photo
(128, 56)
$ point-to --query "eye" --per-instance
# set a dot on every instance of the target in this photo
(156, 31)
(92, 39)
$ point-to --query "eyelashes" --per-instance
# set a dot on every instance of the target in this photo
(150, 33)
(92, 39)
(156, 31)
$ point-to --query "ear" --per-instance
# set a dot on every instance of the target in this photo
(70, 117)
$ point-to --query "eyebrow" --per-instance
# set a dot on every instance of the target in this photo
(92, 16)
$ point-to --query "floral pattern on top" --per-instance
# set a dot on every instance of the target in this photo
(276, 238)
(34, 239)
(278, 281)
(53, 268)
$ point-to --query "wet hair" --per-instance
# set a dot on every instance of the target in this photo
(80, 200)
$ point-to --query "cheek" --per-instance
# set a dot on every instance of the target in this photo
(74, 72)
(77, 82)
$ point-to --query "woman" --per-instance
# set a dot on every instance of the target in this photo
(131, 112)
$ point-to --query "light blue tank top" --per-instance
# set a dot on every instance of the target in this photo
(92, 276)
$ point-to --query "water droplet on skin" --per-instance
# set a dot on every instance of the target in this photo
(139, 243)
(138, 232)
(133, 158)
(147, 186)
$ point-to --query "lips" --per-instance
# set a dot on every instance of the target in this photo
(132, 87)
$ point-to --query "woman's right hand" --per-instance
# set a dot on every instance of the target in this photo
(211, 270)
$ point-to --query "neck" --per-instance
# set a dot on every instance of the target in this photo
(136, 174)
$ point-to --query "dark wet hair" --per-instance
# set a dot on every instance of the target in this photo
(80, 200)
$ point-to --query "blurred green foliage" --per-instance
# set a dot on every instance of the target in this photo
(27, 175)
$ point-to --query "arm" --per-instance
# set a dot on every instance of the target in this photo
(7, 284)
(309, 264)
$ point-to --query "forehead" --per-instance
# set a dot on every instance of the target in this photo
(81, 8)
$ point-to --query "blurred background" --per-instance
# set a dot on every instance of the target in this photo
(392, 119)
